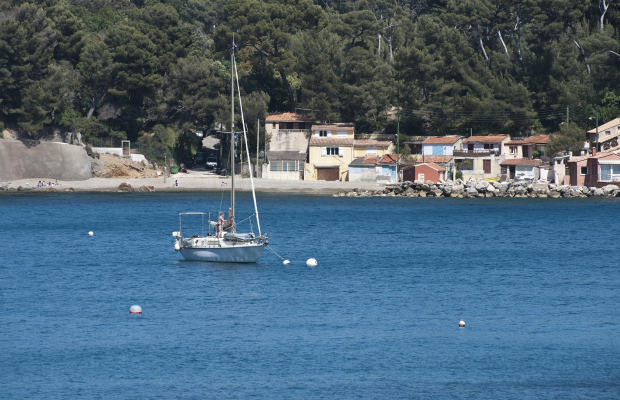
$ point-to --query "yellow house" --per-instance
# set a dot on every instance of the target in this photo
(330, 152)
(372, 147)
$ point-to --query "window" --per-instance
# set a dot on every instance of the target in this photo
(371, 150)
(273, 166)
(513, 149)
(584, 170)
(342, 134)
(273, 125)
(420, 177)
(488, 146)
(302, 125)
(323, 133)
(610, 172)
(332, 151)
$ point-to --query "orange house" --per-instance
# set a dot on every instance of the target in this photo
(425, 172)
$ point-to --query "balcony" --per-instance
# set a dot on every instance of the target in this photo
(293, 130)
(475, 153)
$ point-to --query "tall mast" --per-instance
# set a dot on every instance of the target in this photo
(231, 214)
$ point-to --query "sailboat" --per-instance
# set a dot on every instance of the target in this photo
(223, 243)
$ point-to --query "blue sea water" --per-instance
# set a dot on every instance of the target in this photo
(537, 282)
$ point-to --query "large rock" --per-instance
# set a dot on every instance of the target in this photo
(554, 194)
(447, 189)
(125, 187)
(481, 186)
(471, 191)
(598, 193)
(608, 189)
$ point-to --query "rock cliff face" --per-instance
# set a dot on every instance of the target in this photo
(481, 188)
(33, 159)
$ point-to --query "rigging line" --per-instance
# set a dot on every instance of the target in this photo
(274, 252)
(247, 146)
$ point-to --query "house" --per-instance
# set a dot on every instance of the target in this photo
(446, 162)
(521, 168)
(285, 165)
(362, 169)
(288, 135)
(607, 137)
(424, 172)
(481, 156)
(330, 152)
(603, 169)
(386, 167)
(529, 147)
(577, 169)
(369, 147)
(441, 145)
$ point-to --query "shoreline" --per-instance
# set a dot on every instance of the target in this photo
(187, 183)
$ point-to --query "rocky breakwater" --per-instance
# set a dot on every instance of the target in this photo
(482, 188)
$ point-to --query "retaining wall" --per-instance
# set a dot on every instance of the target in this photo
(48, 160)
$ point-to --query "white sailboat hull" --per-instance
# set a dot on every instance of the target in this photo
(241, 253)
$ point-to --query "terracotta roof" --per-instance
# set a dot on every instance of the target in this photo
(606, 126)
(343, 126)
(433, 166)
(388, 159)
(373, 142)
(323, 141)
(288, 117)
(521, 161)
(441, 140)
(364, 161)
(514, 142)
(435, 159)
(539, 139)
(486, 139)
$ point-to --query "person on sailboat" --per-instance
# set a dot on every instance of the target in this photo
(220, 225)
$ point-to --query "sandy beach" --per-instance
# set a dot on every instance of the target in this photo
(196, 182)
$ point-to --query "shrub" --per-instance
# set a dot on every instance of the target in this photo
(459, 175)
(91, 153)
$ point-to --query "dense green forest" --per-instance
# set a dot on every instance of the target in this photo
(155, 71)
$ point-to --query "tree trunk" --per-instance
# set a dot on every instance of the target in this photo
(499, 34)
(484, 52)
(291, 96)
(94, 104)
(379, 48)
(603, 8)
(578, 44)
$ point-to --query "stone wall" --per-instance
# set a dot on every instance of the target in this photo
(482, 188)
(45, 160)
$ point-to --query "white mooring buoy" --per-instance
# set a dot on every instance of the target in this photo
(311, 262)
(286, 262)
(90, 233)
(135, 310)
(461, 324)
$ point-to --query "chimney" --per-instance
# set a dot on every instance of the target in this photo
(593, 151)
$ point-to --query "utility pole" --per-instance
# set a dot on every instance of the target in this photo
(597, 149)
(567, 115)
(470, 132)
(165, 164)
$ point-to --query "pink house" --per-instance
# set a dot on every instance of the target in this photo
(603, 169)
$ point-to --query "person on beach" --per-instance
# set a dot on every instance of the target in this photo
(176, 184)
(223, 184)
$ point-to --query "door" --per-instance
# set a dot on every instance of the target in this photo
(525, 152)
(328, 174)
(486, 166)
(470, 148)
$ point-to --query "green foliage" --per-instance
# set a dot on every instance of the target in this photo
(458, 175)
(570, 138)
(114, 68)
(160, 141)
(536, 154)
